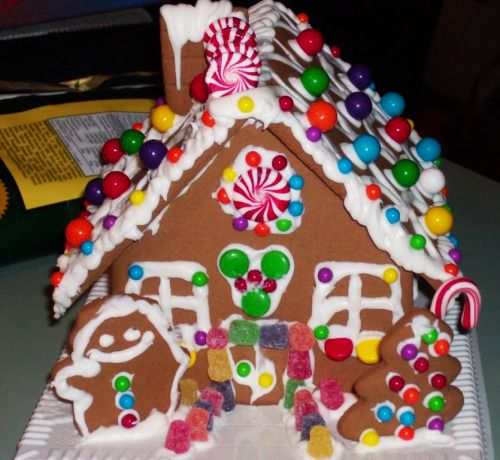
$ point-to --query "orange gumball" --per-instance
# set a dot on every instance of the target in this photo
(77, 231)
(322, 115)
(442, 347)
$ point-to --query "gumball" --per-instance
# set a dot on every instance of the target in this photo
(174, 154)
(253, 158)
(398, 129)
(315, 80)
(418, 241)
(93, 192)
(129, 420)
(431, 180)
(373, 192)
(256, 303)
(121, 383)
(115, 184)
(198, 88)
(406, 433)
(411, 395)
(407, 418)
(452, 269)
(162, 118)
(234, 263)
(207, 119)
(358, 105)
(344, 165)
(384, 413)
(240, 284)
(392, 215)
(152, 153)
(421, 364)
(311, 41)
(442, 347)
(286, 103)
(436, 403)
(135, 272)
(283, 225)
(321, 332)
(313, 134)
(322, 115)
(87, 247)
(296, 182)
(439, 381)
(254, 276)
(56, 278)
(303, 18)
(131, 141)
(275, 264)
(336, 51)
(243, 369)
(409, 352)
(109, 221)
(77, 231)
(240, 223)
(396, 383)
(279, 162)
(200, 338)
(430, 337)
(406, 172)
(393, 104)
(126, 401)
(112, 151)
(367, 147)
(428, 149)
(435, 423)
(199, 279)
(438, 220)
(390, 275)
(360, 76)
(269, 285)
(325, 275)
(266, 380)
(245, 104)
(262, 229)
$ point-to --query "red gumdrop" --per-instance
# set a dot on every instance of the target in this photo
(115, 184)
(197, 419)
(77, 231)
(178, 437)
(112, 151)
(331, 394)
(300, 337)
(339, 349)
(301, 410)
(311, 41)
(217, 338)
(398, 129)
(302, 396)
(299, 365)
(215, 398)
(198, 88)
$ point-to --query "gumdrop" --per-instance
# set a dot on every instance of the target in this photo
(217, 338)
(178, 437)
(214, 398)
(226, 389)
(208, 407)
(242, 332)
(290, 389)
(301, 337)
(219, 368)
(320, 442)
(197, 419)
(189, 391)
(274, 336)
(299, 365)
(302, 396)
(301, 410)
(307, 423)
(330, 393)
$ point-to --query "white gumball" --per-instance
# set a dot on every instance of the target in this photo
(431, 180)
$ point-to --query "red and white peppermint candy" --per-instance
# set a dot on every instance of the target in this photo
(226, 36)
(449, 290)
(231, 73)
(241, 48)
(230, 22)
(261, 194)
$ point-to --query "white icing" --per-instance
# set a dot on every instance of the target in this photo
(132, 334)
(106, 340)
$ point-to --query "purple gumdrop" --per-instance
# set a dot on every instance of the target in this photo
(325, 275)
(94, 193)
(160, 101)
(308, 422)
(109, 221)
(435, 423)
(359, 105)
(226, 389)
(152, 153)
(274, 336)
(409, 351)
(313, 134)
(360, 76)
(200, 337)
(240, 223)
(207, 405)
(456, 255)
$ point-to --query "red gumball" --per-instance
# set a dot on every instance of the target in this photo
(198, 88)
(336, 51)
(311, 41)
(56, 278)
(77, 231)
(112, 151)
(322, 115)
(115, 184)
(398, 129)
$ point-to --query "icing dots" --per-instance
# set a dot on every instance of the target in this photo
(262, 192)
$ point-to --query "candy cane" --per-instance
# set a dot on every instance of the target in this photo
(449, 290)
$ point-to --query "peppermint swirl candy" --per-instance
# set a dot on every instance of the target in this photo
(240, 26)
(230, 73)
(261, 194)
(227, 36)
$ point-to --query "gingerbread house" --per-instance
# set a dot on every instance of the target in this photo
(277, 212)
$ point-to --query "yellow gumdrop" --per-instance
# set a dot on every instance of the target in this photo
(438, 220)
(229, 174)
(367, 350)
(245, 104)
(162, 118)
(320, 442)
(265, 380)
(189, 391)
(137, 197)
(192, 358)
(219, 368)
(370, 438)
(390, 275)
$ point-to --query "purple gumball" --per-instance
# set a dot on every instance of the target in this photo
(360, 76)
(358, 105)
(152, 153)
(94, 193)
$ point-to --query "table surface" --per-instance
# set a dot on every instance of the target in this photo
(30, 342)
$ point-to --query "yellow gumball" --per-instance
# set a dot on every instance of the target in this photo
(192, 358)
(229, 174)
(367, 350)
(137, 197)
(162, 118)
(245, 104)
(412, 124)
(265, 380)
(438, 220)
(390, 275)
(370, 438)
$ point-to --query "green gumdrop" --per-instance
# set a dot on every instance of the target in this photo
(234, 263)
(256, 303)
(283, 225)
(243, 332)
(131, 141)
(406, 172)
(275, 264)
(315, 80)
(290, 389)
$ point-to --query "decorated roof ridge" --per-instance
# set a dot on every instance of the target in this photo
(289, 103)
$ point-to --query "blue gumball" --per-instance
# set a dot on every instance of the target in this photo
(393, 104)
(428, 149)
(367, 147)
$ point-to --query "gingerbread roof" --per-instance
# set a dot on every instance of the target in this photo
(271, 69)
